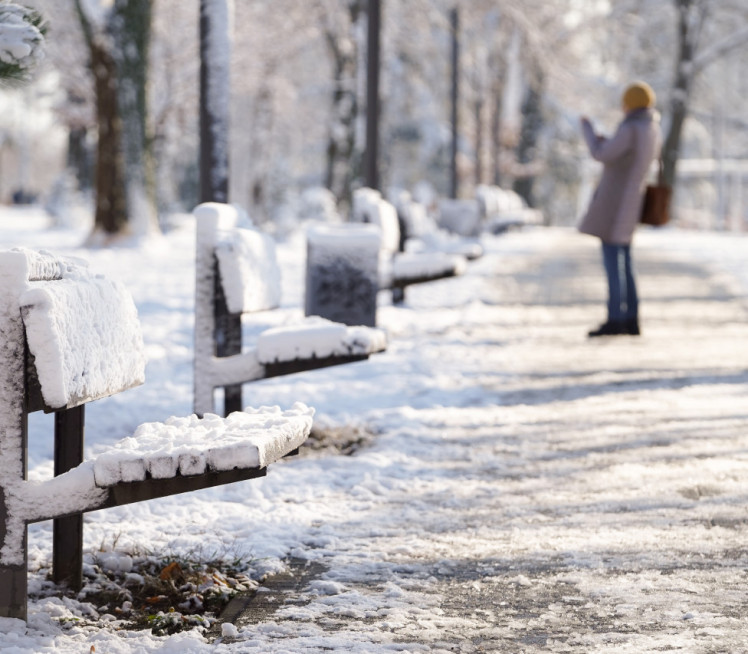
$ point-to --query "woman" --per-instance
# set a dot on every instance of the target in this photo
(616, 205)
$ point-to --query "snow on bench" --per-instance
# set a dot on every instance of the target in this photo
(401, 269)
(253, 438)
(319, 338)
(237, 272)
(71, 337)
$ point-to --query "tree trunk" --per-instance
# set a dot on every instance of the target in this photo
(131, 25)
(125, 201)
(478, 114)
(532, 124)
(496, 93)
(341, 166)
(111, 201)
(215, 90)
(454, 17)
(78, 157)
(690, 19)
(371, 156)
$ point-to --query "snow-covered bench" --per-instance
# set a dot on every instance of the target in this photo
(68, 338)
(420, 232)
(399, 270)
(236, 273)
(504, 209)
(461, 216)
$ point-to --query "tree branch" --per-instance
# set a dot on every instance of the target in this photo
(720, 49)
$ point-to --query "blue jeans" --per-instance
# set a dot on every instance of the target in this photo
(623, 302)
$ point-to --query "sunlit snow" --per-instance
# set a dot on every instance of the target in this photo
(522, 488)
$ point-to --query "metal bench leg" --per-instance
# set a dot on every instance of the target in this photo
(14, 576)
(228, 337)
(67, 534)
(13, 589)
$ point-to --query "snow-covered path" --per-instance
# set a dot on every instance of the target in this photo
(525, 489)
(578, 496)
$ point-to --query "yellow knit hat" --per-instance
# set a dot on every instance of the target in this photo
(638, 96)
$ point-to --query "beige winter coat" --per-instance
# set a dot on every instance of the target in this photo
(627, 158)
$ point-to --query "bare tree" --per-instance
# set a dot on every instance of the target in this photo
(693, 58)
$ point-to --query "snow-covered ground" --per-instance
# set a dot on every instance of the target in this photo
(526, 489)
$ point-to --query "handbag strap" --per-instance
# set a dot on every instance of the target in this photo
(660, 171)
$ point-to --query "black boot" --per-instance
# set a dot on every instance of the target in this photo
(632, 327)
(610, 328)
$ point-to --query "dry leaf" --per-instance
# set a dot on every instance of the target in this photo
(171, 571)
(155, 599)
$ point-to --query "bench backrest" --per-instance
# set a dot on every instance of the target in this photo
(495, 200)
(248, 269)
(370, 207)
(236, 272)
(342, 273)
(463, 217)
(415, 219)
(82, 330)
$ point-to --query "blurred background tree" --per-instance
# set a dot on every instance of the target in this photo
(527, 72)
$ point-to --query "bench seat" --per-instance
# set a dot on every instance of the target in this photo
(420, 233)
(253, 438)
(407, 268)
(317, 338)
(178, 447)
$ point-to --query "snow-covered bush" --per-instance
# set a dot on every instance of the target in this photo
(21, 41)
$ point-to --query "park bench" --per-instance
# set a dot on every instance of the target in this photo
(71, 337)
(503, 209)
(237, 273)
(399, 269)
(420, 232)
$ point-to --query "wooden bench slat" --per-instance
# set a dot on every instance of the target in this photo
(280, 368)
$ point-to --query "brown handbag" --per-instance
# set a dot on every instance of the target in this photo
(656, 205)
